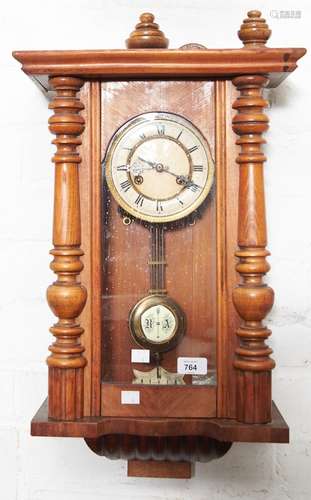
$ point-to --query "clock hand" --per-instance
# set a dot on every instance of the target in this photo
(136, 168)
(159, 167)
(190, 182)
(151, 163)
(164, 168)
(185, 180)
(154, 164)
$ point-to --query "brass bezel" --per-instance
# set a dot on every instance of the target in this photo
(136, 328)
(108, 167)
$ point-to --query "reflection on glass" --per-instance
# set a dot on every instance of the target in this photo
(159, 251)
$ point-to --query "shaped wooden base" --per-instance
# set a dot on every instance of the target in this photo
(156, 447)
(219, 429)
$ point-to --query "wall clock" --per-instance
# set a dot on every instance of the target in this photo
(160, 354)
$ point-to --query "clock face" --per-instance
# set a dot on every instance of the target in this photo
(159, 167)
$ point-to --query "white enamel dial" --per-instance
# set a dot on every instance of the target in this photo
(159, 167)
(158, 324)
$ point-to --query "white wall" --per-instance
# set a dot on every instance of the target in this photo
(46, 469)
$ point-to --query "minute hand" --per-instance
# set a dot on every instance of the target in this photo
(184, 180)
(165, 168)
(190, 184)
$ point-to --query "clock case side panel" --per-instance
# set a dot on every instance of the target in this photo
(227, 223)
(91, 202)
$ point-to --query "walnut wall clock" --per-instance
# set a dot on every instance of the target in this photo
(159, 353)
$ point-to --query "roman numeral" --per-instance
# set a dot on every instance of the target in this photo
(139, 200)
(142, 136)
(198, 168)
(128, 149)
(193, 187)
(122, 168)
(126, 185)
(177, 138)
(194, 148)
(159, 206)
(180, 202)
(161, 129)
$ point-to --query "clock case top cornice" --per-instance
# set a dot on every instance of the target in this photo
(141, 64)
(147, 57)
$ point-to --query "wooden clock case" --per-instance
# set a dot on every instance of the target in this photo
(162, 441)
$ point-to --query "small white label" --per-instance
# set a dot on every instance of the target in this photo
(140, 356)
(192, 366)
(130, 397)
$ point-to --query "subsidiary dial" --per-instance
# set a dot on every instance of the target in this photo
(157, 323)
(159, 167)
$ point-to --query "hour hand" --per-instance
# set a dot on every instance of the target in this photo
(151, 163)
(137, 168)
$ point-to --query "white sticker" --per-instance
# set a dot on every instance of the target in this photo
(140, 356)
(130, 397)
(192, 366)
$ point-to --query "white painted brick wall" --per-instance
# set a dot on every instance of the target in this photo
(50, 469)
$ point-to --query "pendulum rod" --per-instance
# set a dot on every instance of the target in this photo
(157, 262)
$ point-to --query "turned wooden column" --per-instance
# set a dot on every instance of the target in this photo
(66, 296)
(253, 299)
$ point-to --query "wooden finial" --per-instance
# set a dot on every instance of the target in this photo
(254, 31)
(147, 34)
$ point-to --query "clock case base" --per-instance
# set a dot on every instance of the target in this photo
(161, 447)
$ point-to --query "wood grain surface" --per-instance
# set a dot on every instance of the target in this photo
(227, 222)
(159, 63)
(91, 217)
(221, 429)
(153, 468)
(164, 401)
(66, 296)
(253, 299)
(147, 34)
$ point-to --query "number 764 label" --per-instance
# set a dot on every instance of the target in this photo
(192, 366)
